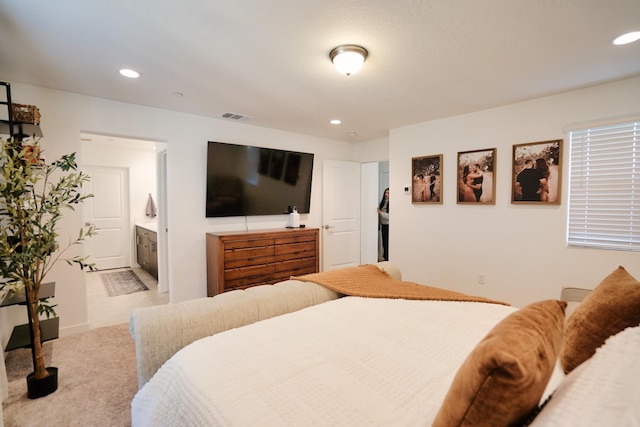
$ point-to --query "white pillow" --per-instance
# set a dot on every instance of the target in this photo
(557, 376)
(603, 391)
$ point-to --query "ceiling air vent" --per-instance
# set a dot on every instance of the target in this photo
(234, 116)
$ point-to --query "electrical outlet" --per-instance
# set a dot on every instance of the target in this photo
(480, 278)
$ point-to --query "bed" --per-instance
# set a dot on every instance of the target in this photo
(361, 355)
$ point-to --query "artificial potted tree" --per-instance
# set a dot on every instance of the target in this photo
(33, 196)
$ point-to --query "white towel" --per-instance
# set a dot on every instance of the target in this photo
(151, 212)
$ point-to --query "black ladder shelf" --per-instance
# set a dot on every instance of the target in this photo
(21, 335)
(15, 129)
(7, 102)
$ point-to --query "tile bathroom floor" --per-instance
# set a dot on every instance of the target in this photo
(106, 311)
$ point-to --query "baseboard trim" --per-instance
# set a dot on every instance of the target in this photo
(71, 330)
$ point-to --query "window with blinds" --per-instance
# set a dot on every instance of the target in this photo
(604, 187)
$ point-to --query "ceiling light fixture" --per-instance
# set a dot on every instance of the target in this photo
(627, 38)
(132, 74)
(335, 121)
(348, 58)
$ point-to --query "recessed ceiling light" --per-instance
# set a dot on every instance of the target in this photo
(627, 38)
(335, 121)
(352, 134)
(132, 74)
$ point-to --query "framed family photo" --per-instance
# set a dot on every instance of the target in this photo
(476, 176)
(537, 172)
(426, 183)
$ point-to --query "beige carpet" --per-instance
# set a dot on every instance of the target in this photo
(97, 380)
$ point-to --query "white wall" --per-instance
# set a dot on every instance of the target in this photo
(65, 116)
(521, 249)
(376, 150)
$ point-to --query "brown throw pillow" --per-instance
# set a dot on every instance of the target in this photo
(504, 377)
(611, 307)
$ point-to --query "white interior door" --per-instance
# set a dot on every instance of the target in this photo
(108, 209)
(340, 214)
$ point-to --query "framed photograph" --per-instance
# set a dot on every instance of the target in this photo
(426, 183)
(537, 172)
(476, 176)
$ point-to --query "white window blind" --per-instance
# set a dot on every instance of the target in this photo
(604, 187)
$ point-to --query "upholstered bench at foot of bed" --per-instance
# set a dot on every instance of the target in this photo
(160, 331)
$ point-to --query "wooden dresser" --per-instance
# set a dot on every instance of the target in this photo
(238, 260)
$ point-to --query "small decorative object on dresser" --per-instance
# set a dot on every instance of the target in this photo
(242, 259)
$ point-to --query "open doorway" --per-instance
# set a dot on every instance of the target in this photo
(383, 183)
(128, 183)
(375, 178)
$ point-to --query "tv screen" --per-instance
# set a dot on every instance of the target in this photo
(244, 180)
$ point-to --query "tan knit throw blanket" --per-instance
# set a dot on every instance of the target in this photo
(370, 281)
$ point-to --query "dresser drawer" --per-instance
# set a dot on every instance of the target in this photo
(248, 256)
(296, 265)
(248, 275)
(286, 271)
(296, 238)
(233, 245)
(295, 250)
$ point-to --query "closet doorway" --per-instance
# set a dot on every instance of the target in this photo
(127, 178)
(375, 178)
(383, 183)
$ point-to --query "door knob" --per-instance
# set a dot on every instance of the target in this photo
(326, 227)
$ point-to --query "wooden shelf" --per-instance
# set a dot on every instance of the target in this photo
(21, 338)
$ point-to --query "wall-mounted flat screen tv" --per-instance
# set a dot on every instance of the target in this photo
(245, 181)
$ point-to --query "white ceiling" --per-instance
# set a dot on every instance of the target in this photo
(268, 59)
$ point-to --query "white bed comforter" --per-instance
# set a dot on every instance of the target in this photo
(349, 362)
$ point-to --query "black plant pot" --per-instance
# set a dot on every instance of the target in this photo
(42, 387)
